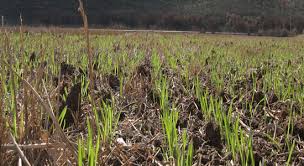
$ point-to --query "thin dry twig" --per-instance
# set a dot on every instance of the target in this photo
(20, 152)
(33, 146)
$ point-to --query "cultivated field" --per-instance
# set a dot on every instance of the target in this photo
(151, 99)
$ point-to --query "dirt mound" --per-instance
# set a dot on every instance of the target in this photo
(213, 135)
(72, 104)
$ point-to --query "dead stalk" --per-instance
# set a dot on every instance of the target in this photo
(21, 35)
(2, 21)
(86, 31)
(20, 152)
(25, 101)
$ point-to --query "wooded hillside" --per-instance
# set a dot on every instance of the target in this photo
(210, 15)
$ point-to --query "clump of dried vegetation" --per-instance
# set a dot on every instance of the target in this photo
(150, 99)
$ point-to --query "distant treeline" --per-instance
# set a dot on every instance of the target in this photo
(263, 25)
(272, 17)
